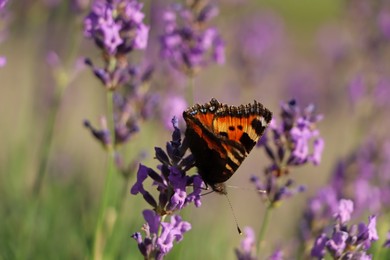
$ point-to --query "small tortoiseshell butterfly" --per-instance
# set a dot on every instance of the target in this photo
(221, 136)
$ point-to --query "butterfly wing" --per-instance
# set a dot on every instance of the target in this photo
(220, 137)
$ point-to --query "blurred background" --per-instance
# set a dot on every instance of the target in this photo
(333, 54)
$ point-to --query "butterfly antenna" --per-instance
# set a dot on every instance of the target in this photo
(234, 215)
(258, 190)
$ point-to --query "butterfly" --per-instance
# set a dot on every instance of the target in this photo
(220, 137)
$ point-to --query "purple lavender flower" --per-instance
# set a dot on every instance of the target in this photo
(318, 249)
(337, 243)
(188, 43)
(160, 235)
(346, 242)
(248, 246)
(292, 138)
(384, 23)
(273, 192)
(344, 211)
(276, 255)
(356, 88)
(117, 28)
(362, 177)
(260, 45)
(173, 106)
(132, 104)
(289, 147)
(172, 181)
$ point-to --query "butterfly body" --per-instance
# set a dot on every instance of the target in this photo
(220, 137)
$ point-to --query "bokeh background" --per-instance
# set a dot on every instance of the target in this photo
(312, 51)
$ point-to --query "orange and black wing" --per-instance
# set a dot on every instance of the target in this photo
(221, 136)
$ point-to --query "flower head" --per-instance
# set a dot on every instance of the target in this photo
(350, 242)
(158, 243)
(116, 26)
(172, 181)
(248, 245)
(292, 138)
(188, 43)
(289, 147)
(345, 210)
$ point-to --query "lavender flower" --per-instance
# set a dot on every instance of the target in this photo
(173, 106)
(117, 28)
(247, 250)
(345, 210)
(160, 235)
(172, 180)
(188, 43)
(346, 242)
(384, 23)
(132, 104)
(362, 177)
(171, 183)
(260, 45)
(289, 148)
(276, 255)
(292, 138)
(248, 246)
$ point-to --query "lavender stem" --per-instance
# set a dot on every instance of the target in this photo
(98, 246)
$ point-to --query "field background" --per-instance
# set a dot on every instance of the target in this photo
(60, 223)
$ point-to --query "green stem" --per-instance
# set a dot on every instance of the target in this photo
(263, 227)
(98, 244)
(46, 145)
(160, 227)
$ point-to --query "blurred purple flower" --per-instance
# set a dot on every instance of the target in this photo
(318, 249)
(261, 40)
(363, 178)
(173, 106)
(346, 242)
(382, 92)
(117, 26)
(344, 211)
(357, 88)
(276, 255)
(172, 181)
(188, 43)
(367, 233)
(378, 92)
(384, 23)
(292, 137)
(248, 245)
(3, 61)
(159, 243)
(273, 192)
(288, 148)
(132, 104)
(337, 243)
